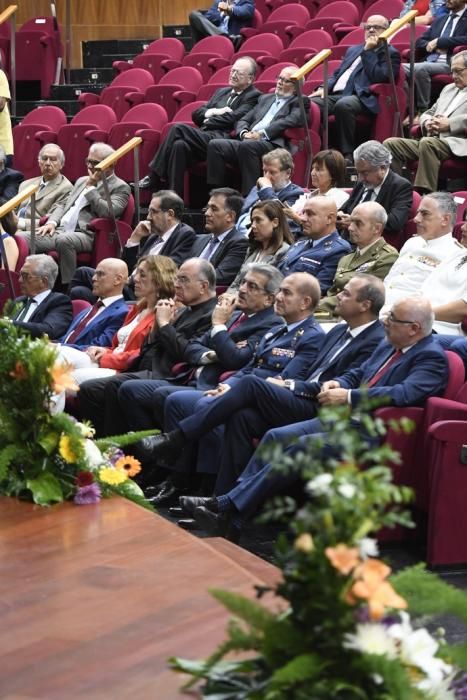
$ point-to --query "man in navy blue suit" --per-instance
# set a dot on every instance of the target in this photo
(349, 86)
(322, 248)
(98, 324)
(404, 370)
(287, 350)
(224, 17)
(435, 48)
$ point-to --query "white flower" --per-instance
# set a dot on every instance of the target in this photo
(319, 486)
(347, 490)
(93, 454)
(87, 431)
(371, 638)
(368, 547)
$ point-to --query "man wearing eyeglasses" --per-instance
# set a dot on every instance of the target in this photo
(443, 131)
(223, 18)
(435, 50)
(261, 130)
(38, 310)
(53, 191)
(349, 86)
(67, 229)
(185, 145)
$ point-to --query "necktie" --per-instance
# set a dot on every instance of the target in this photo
(367, 196)
(330, 357)
(22, 312)
(270, 342)
(446, 31)
(24, 208)
(384, 368)
(71, 337)
(231, 98)
(208, 250)
(237, 322)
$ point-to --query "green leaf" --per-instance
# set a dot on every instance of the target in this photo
(48, 441)
(45, 489)
(302, 668)
(249, 611)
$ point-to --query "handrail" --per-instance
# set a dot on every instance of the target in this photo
(119, 153)
(311, 64)
(17, 199)
(9, 13)
(6, 14)
(131, 145)
(398, 24)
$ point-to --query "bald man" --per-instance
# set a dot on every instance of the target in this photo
(321, 249)
(98, 324)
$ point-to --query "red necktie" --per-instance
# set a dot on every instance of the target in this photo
(384, 368)
(84, 322)
(237, 322)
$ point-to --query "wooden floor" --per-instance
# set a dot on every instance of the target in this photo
(94, 599)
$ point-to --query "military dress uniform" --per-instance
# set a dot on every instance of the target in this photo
(281, 352)
(319, 258)
(376, 260)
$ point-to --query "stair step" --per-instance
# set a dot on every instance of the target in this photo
(105, 60)
(92, 75)
(70, 92)
(96, 48)
(70, 107)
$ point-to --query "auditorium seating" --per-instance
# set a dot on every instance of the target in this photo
(206, 56)
(218, 80)
(332, 15)
(72, 137)
(38, 50)
(152, 58)
(133, 80)
(305, 46)
(176, 88)
(264, 48)
(26, 145)
(280, 21)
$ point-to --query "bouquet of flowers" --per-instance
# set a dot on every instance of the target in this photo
(47, 457)
(343, 630)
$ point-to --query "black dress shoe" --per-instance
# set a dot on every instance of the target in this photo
(157, 446)
(189, 503)
(177, 511)
(168, 493)
(188, 524)
(218, 525)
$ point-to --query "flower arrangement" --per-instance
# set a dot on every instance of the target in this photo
(47, 457)
(343, 630)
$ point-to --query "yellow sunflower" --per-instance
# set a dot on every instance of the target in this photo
(131, 465)
(65, 449)
(114, 477)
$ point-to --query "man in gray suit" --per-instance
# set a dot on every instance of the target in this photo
(53, 190)
(67, 230)
(443, 126)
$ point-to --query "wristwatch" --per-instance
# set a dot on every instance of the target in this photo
(289, 384)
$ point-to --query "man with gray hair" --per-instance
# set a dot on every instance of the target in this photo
(53, 191)
(372, 253)
(67, 230)
(274, 183)
(9, 178)
(41, 311)
(377, 183)
(423, 253)
(443, 131)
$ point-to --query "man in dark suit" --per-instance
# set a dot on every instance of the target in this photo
(42, 312)
(162, 233)
(259, 131)
(378, 183)
(223, 246)
(321, 249)
(226, 347)
(162, 348)
(403, 370)
(349, 86)
(98, 324)
(274, 183)
(9, 179)
(435, 48)
(186, 144)
(67, 230)
(224, 18)
(286, 351)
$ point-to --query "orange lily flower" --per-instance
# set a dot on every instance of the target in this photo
(343, 558)
(62, 379)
